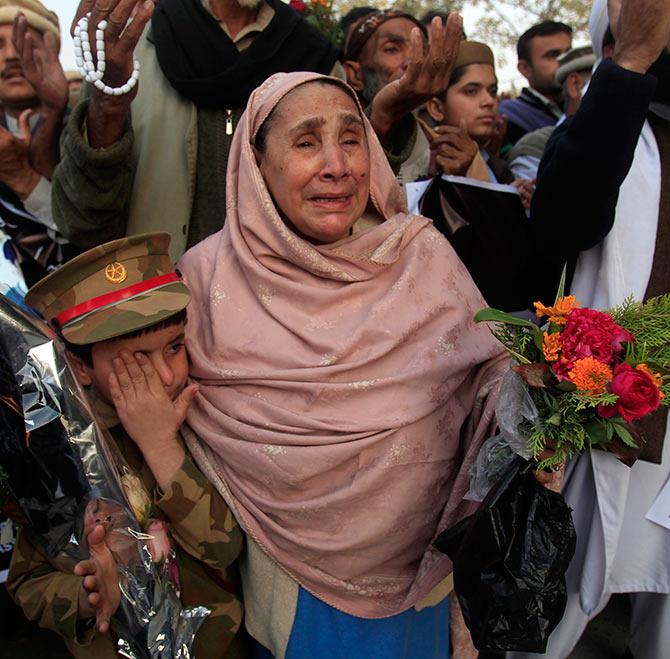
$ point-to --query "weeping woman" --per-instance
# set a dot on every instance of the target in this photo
(344, 388)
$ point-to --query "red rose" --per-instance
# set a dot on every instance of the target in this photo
(297, 5)
(638, 394)
(590, 333)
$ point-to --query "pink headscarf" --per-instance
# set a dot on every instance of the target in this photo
(344, 388)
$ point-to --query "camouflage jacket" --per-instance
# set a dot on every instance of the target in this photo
(208, 542)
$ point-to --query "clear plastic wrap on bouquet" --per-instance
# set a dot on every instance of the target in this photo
(65, 474)
(514, 406)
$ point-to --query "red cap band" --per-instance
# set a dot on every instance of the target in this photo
(110, 298)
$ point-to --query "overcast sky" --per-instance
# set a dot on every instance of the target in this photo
(66, 8)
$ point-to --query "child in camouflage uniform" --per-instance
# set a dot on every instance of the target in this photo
(120, 308)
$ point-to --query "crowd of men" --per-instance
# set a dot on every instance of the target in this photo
(519, 186)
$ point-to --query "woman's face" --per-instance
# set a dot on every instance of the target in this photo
(316, 163)
(473, 98)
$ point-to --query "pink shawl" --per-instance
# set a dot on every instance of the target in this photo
(344, 388)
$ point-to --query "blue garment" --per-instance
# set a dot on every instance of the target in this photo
(321, 631)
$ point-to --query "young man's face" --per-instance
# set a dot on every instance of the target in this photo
(541, 69)
(473, 99)
(165, 348)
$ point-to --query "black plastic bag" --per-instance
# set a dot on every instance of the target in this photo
(510, 560)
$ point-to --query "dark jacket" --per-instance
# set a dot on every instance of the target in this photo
(587, 159)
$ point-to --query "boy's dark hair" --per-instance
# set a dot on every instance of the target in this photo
(85, 352)
(544, 29)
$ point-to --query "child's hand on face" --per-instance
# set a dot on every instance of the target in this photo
(145, 409)
(101, 595)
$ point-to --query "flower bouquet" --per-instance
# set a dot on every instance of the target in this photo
(589, 374)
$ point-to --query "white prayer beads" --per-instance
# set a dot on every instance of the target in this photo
(93, 72)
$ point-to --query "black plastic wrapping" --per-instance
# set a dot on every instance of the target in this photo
(510, 560)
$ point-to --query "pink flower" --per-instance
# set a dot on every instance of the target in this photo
(638, 394)
(297, 5)
(590, 333)
(159, 544)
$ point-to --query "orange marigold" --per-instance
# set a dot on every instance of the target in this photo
(551, 346)
(656, 377)
(558, 313)
(590, 375)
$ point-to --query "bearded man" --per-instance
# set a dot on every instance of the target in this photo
(396, 64)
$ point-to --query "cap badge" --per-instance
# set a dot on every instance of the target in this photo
(116, 272)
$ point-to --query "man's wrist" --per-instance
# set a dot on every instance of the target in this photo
(106, 119)
(24, 185)
(381, 120)
(164, 458)
(52, 115)
(631, 61)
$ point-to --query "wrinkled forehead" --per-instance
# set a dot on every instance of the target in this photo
(270, 94)
(317, 97)
(396, 30)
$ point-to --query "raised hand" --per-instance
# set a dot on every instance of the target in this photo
(41, 66)
(16, 171)
(107, 115)
(641, 29)
(101, 595)
(427, 73)
(454, 149)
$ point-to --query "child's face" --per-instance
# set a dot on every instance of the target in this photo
(165, 348)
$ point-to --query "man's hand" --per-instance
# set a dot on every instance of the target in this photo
(641, 29)
(148, 414)
(427, 74)
(15, 169)
(41, 66)
(107, 115)
(101, 595)
(454, 149)
(526, 190)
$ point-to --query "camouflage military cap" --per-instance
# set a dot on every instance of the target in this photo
(111, 290)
